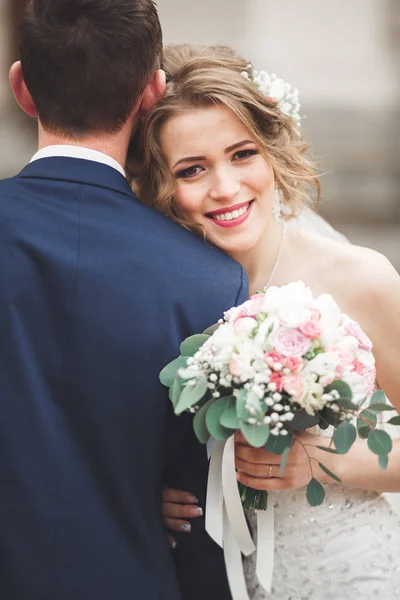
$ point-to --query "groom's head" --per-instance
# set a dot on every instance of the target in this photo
(86, 63)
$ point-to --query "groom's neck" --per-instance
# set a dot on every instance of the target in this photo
(114, 145)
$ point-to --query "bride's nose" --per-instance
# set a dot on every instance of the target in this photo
(224, 185)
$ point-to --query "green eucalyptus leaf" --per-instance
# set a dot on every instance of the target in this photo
(241, 411)
(348, 404)
(342, 388)
(199, 422)
(229, 418)
(379, 442)
(192, 344)
(175, 391)
(213, 418)
(256, 435)
(285, 455)
(380, 407)
(169, 372)
(191, 394)
(329, 472)
(394, 420)
(383, 462)
(302, 421)
(368, 415)
(363, 432)
(328, 449)
(344, 437)
(378, 397)
(277, 444)
(327, 417)
(315, 492)
(212, 329)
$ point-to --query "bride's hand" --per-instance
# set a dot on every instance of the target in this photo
(260, 469)
(178, 506)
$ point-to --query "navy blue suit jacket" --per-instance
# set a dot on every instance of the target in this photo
(96, 293)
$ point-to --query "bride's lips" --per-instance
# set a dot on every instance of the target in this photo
(231, 221)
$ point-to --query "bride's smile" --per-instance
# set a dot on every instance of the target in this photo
(223, 182)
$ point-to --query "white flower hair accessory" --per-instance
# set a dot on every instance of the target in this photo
(286, 97)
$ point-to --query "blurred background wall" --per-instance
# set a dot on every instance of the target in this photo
(344, 57)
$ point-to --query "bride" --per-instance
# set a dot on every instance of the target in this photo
(225, 157)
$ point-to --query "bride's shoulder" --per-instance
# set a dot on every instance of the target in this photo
(362, 273)
(355, 267)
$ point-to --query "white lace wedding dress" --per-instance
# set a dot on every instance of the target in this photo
(346, 549)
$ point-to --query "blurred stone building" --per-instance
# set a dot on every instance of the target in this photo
(345, 59)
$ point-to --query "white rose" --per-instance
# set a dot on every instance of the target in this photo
(323, 363)
(330, 320)
(244, 326)
(357, 385)
(294, 316)
(366, 358)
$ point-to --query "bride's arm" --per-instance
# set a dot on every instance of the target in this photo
(376, 302)
(359, 468)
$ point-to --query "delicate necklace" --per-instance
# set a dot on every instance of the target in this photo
(278, 256)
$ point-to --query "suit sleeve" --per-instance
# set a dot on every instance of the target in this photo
(198, 559)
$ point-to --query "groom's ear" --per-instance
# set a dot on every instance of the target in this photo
(153, 92)
(20, 90)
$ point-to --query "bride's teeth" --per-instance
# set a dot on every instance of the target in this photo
(228, 216)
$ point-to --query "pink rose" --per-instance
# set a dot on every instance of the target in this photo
(235, 368)
(353, 328)
(251, 307)
(369, 374)
(272, 358)
(345, 357)
(311, 329)
(315, 314)
(293, 385)
(370, 382)
(277, 379)
(291, 342)
(293, 363)
(244, 325)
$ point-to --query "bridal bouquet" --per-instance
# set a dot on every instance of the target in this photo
(280, 363)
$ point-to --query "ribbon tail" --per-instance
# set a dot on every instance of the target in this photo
(214, 501)
(265, 545)
(233, 503)
(233, 563)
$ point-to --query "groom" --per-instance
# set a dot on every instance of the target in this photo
(96, 292)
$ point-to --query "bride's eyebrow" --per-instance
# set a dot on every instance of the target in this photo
(226, 151)
(188, 159)
(238, 145)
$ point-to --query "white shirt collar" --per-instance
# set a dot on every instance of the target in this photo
(78, 152)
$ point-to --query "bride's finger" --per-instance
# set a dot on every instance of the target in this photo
(172, 495)
(178, 525)
(271, 483)
(239, 439)
(257, 469)
(256, 455)
(181, 511)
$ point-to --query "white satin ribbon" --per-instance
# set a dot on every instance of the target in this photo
(226, 523)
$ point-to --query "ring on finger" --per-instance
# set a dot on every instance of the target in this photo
(269, 474)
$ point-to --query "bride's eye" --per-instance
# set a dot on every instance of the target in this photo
(189, 172)
(240, 154)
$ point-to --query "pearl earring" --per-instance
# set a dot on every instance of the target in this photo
(277, 205)
(280, 208)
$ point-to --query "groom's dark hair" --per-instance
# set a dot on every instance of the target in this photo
(86, 62)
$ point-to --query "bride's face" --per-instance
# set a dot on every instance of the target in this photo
(222, 181)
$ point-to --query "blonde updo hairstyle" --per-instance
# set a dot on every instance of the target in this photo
(204, 76)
